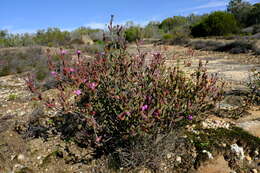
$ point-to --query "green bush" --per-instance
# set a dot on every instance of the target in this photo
(254, 15)
(240, 9)
(169, 24)
(132, 34)
(167, 36)
(216, 24)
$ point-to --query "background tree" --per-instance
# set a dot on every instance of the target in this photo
(152, 30)
(169, 24)
(218, 23)
(133, 33)
(240, 9)
(254, 15)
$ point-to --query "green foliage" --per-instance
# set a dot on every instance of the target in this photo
(256, 29)
(133, 33)
(52, 37)
(254, 15)
(152, 30)
(216, 24)
(12, 97)
(169, 24)
(41, 74)
(167, 36)
(240, 9)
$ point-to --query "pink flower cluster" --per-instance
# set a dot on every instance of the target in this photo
(78, 52)
(63, 52)
(77, 92)
(92, 85)
(144, 107)
(54, 73)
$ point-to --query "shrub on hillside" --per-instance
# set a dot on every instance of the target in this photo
(20, 60)
(236, 47)
(119, 97)
(256, 29)
(206, 45)
(216, 24)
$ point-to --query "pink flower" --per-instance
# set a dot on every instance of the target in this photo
(92, 85)
(71, 69)
(78, 52)
(53, 73)
(63, 52)
(190, 117)
(98, 139)
(77, 92)
(144, 107)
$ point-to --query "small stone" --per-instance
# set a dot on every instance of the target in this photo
(239, 151)
(254, 171)
(204, 125)
(169, 155)
(224, 145)
(21, 157)
(13, 157)
(248, 158)
(18, 166)
(178, 159)
(144, 170)
(208, 153)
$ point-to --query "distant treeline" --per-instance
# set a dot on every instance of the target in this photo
(239, 15)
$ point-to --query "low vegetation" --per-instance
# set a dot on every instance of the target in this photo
(118, 99)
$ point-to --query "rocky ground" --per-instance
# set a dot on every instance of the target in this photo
(211, 146)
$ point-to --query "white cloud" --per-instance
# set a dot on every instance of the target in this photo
(211, 4)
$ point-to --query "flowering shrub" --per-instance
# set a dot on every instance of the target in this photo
(122, 96)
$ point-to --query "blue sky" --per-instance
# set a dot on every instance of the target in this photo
(19, 16)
